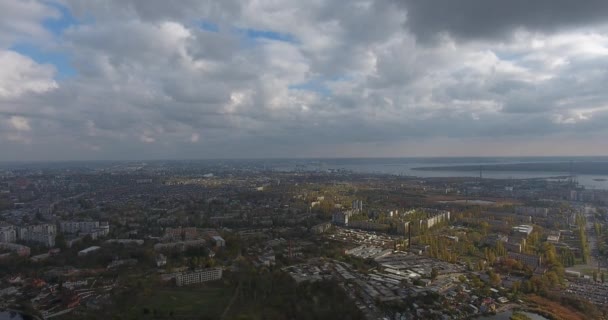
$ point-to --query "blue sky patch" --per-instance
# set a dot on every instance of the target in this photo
(314, 86)
(60, 60)
(509, 56)
(255, 34)
(58, 26)
(209, 26)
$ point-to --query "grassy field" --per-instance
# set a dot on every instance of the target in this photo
(206, 302)
(583, 268)
(555, 309)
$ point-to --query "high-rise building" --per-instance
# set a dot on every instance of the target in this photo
(78, 226)
(341, 218)
(95, 229)
(179, 233)
(42, 233)
(435, 217)
(198, 276)
(8, 234)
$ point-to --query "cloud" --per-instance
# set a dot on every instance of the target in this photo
(21, 74)
(194, 137)
(481, 19)
(22, 20)
(20, 123)
(312, 78)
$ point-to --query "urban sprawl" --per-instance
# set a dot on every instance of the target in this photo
(241, 240)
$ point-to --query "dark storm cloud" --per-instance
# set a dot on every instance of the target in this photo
(492, 19)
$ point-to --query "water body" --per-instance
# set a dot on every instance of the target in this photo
(405, 166)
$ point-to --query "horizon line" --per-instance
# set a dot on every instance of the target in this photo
(296, 158)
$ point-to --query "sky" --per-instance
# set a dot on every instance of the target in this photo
(157, 79)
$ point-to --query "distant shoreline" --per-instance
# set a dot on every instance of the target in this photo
(590, 167)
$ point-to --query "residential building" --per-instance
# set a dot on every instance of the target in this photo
(42, 233)
(435, 217)
(198, 276)
(8, 234)
(321, 227)
(138, 242)
(523, 229)
(341, 218)
(368, 225)
(554, 236)
(179, 246)
(219, 241)
(179, 233)
(532, 261)
(78, 226)
(94, 229)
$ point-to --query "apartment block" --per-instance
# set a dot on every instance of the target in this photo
(41, 233)
(8, 234)
(198, 276)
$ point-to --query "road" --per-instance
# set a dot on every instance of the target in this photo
(592, 260)
(592, 240)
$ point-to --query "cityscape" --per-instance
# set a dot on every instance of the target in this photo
(231, 239)
(303, 160)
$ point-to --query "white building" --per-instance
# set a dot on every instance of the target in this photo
(523, 229)
(161, 260)
(198, 276)
(78, 226)
(8, 234)
(436, 217)
(93, 228)
(88, 250)
(219, 241)
(42, 233)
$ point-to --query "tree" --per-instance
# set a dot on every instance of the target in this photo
(519, 316)
(495, 278)
(516, 287)
(484, 226)
(434, 273)
(60, 241)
